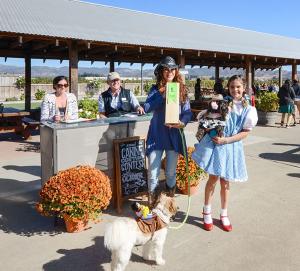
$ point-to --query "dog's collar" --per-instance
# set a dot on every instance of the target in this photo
(163, 216)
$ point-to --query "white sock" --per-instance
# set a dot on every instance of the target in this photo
(207, 218)
(225, 219)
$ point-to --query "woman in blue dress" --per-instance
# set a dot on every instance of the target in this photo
(162, 137)
(223, 157)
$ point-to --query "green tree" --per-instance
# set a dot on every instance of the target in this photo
(93, 87)
(40, 93)
(20, 83)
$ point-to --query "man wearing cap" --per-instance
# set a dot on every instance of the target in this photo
(117, 101)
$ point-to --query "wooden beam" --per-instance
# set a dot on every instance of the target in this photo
(73, 67)
(181, 59)
(27, 82)
(253, 75)
(20, 42)
(111, 66)
(217, 72)
(294, 71)
(39, 46)
(248, 68)
(280, 76)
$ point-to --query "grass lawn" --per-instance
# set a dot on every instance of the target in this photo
(21, 106)
(37, 104)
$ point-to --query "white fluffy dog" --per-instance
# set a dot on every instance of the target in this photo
(123, 234)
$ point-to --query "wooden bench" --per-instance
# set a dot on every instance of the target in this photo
(31, 125)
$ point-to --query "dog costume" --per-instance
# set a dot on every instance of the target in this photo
(141, 211)
(213, 120)
(151, 225)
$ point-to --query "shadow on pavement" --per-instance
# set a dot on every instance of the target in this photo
(194, 220)
(17, 210)
(33, 170)
(90, 258)
(291, 156)
(13, 137)
(28, 146)
(296, 175)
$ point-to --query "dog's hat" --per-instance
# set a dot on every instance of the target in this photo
(217, 97)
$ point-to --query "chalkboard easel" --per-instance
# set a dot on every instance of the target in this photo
(130, 169)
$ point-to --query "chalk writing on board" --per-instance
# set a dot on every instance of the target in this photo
(132, 166)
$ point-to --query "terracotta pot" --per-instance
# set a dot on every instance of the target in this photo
(75, 225)
(193, 189)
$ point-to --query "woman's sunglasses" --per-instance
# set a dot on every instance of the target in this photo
(62, 85)
(168, 70)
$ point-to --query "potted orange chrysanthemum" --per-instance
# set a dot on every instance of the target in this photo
(194, 173)
(77, 195)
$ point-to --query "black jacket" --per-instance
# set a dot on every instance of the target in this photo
(296, 88)
(124, 97)
(286, 95)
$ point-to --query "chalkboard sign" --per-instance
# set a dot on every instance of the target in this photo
(130, 168)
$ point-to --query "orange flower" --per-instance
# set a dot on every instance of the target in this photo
(193, 172)
(80, 192)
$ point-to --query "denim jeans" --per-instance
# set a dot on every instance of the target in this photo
(154, 165)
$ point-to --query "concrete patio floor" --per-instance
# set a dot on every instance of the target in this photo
(264, 213)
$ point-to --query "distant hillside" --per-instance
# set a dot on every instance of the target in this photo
(44, 71)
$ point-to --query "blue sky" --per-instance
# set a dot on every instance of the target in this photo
(275, 17)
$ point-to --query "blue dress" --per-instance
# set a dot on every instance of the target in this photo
(226, 160)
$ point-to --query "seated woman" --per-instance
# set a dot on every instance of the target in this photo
(59, 105)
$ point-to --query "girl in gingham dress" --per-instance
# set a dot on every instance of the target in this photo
(223, 157)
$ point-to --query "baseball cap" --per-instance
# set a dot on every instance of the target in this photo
(113, 76)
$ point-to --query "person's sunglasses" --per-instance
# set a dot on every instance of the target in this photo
(62, 85)
(115, 80)
(168, 70)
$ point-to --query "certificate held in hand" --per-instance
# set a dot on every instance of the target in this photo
(172, 103)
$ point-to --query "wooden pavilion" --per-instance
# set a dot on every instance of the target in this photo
(73, 30)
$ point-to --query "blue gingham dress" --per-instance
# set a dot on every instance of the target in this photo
(226, 160)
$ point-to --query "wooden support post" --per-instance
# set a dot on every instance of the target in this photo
(248, 75)
(181, 63)
(217, 73)
(111, 66)
(280, 76)
(294, 71)
(253, 75)
(73, 67)
(27, 82)
(142, 79)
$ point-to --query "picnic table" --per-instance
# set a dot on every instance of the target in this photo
(14, 120)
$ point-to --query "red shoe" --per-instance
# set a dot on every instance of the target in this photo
(207, 226)
(225, 227)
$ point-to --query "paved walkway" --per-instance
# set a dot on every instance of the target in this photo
(264, 213)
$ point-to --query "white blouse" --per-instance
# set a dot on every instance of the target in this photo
(251, 117)
(48, 107)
